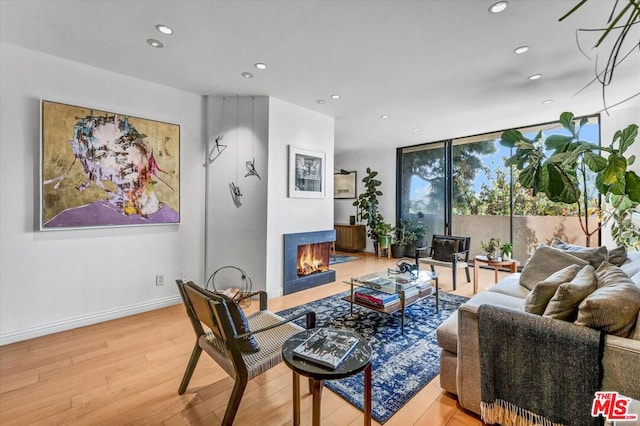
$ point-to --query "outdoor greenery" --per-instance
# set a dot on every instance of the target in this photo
(564, 175)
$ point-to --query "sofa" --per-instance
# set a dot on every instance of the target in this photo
(460, 356)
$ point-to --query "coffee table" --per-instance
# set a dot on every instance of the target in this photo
(357, 360)
(409, 286)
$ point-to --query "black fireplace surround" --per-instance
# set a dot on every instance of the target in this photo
(293, 282)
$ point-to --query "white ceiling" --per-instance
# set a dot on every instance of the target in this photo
(446, 67)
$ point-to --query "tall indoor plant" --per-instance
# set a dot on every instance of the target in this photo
(367, 203)
(563, 176)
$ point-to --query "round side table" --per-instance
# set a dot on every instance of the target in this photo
(357, 360)
(512, 264)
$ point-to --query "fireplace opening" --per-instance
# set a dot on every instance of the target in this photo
(313, 258)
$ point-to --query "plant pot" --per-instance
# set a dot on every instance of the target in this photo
(397, 251)
(384, 241)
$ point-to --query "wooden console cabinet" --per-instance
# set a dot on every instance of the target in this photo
(350, 237)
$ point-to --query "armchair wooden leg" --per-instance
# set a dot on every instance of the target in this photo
(468, 274)
(234, 400)
(195, 355)
(455, 270)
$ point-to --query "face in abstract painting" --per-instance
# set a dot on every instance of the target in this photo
(109, 172)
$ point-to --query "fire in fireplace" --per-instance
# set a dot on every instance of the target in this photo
(313, 258)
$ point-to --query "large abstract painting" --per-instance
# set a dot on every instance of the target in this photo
(102, 168)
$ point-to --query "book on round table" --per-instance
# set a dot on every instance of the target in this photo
(326, 347)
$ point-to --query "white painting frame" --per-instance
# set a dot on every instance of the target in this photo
(307, 173)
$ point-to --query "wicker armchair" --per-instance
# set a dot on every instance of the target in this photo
(221, 340)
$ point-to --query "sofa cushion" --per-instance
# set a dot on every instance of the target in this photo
(618, 256)
(544, 262)
(510, 286)
(447, 333)
(610, 274)
(538, 299)
(564, 303)
(595, 255)
(612, 308)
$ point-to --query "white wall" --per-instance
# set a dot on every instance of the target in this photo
(384, 162)
(293, 125)
(237, 236)
(57, 280)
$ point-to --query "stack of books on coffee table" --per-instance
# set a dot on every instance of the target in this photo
(376, 298)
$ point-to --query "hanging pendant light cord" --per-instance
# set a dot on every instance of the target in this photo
(237, 130)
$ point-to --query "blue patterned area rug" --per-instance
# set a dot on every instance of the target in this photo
(402, 364)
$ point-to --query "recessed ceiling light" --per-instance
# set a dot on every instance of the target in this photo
(335, 96)
(320, 101)
(154, 43)
(548, 101)
(499, 7)
(164, 29)
(384, 116)
(261, 66)
(415, 129)
(247, 74)
(520, 50)
(535, 76)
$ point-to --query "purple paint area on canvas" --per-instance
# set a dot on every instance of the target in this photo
(101, 213)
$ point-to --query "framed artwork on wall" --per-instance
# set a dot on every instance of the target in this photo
(344, 185)
(100, 168)
(306, 173)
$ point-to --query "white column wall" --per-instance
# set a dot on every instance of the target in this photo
(293, 125)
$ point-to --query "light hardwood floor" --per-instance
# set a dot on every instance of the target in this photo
(127, 371)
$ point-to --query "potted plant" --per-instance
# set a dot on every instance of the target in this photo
(506, 249)
(383, 234)
(405, 235)
(491, 248)
(367, 204)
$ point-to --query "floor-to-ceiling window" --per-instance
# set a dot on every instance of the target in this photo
(462, 187)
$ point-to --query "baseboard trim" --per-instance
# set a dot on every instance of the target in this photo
(81, 321)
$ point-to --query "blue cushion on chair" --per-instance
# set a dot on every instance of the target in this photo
(247, 344)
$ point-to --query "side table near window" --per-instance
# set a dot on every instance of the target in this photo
(512, 264)
(358, 359)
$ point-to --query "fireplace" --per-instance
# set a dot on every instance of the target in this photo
(306, 260)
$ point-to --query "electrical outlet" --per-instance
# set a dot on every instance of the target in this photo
(159, 279)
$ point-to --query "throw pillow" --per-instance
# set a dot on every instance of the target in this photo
(618, 256)
(544, 262)
(612, 308)
(595, 255)
(609, 274)
(247, 344)
(443, 249)
(564, 303)
(539, 297)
